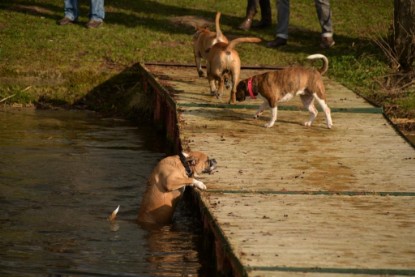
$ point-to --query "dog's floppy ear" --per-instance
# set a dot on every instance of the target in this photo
(242, 86)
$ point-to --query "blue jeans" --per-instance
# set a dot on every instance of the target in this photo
(323, 13)
(96, 10)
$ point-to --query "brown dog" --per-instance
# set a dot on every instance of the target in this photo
(282, 85)
(203, 40)
(167, 182)
(223, 62)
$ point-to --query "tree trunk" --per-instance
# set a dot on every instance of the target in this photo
(403, 35)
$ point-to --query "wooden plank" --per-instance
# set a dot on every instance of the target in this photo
(341, 234)
(353, 156)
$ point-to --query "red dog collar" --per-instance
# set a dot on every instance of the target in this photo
(251, 93)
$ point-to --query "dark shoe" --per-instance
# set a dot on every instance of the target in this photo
(326, 42)
(93, 24)
(262, 24)
(246, 24)
(65, 21)
(277, 42)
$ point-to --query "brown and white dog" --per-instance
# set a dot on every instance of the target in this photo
(223, 62)
(282, 85)
(203, 40)
(167, 182)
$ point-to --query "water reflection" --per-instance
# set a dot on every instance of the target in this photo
(61, 174)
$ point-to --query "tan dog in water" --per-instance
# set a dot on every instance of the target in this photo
(224, 64)
(203, 40)
(167, 182)
(282, 85)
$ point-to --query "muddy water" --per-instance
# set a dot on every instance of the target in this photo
(61, 174)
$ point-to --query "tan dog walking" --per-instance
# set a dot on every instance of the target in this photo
(282, 85)
(224, 64)
(203, 40)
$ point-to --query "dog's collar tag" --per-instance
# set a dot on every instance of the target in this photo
(251, 93)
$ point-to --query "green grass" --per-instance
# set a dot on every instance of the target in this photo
(41, 60)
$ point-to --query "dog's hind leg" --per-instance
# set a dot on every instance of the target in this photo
(235, 80)
(308, 102)
(212, 84)
(220, 86)
(325, 109)
(198, 61)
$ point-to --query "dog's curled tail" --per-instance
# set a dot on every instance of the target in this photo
(217, 26)
(325, 66)
(236, 41)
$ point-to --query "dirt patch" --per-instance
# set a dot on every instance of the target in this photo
(395, 94)
(406, 125)
(36, 10)
(404, 119)
(191, 21)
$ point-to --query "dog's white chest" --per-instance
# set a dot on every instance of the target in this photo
(290, 95)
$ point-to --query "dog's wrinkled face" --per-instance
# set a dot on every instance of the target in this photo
(200, 162)
(241, 91)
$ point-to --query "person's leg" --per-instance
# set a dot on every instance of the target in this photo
(97, 11)
(266, 19)
(96, 14)
(324, 16)
(283, 18)
(70, 12)
(251, 10)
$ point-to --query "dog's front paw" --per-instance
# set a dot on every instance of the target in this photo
(200, 185)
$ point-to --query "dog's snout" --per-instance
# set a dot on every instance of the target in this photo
(212, 162)
(210, 166)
